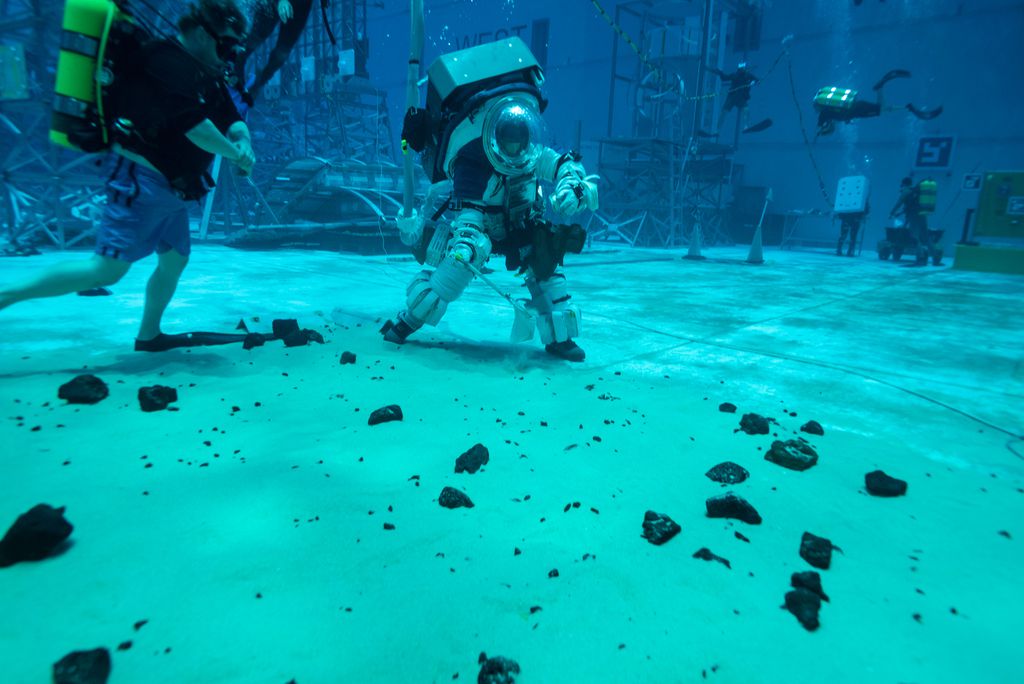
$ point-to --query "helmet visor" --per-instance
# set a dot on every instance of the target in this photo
(513, 135)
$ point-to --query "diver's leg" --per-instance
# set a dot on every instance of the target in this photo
(919, 225)
(895, 73)
(287, 36)
(159, 291)
(64, 278)
(557, 322)
(264, 22)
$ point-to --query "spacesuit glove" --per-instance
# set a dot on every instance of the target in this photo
(410, 228)
(574, 191)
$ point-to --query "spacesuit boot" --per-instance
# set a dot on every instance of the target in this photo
(568, 350)
(557, 322)
(397, 331)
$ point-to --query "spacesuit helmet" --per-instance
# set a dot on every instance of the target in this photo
(513, 135)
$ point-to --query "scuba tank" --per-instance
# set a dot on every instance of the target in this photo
(94, 33)
(834, 98)
(927, 196)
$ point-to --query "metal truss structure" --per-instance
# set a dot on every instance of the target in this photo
(664, 170)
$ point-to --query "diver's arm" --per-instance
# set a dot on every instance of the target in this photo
(239, 132)
(237, 150)
(899, 205)
(206, 137)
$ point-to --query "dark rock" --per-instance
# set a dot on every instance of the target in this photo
(471, 461)
(347, 358)
(705, 554)
(386, 414)
(301, 338)
(453, 498)
(817, 550)
(34, 535)
(729, 505)
(727, 407)
(811, 581)
(283, 327)
(659, 528)
(497, 670)
(728, 473)
(83, 667)
(241, 325)
(739, 535)
(95, 292)
(84, 389)
(812, 427)
(793, 454)
(804, 605)
(253, 340)
(880, 484)
(753, 424)
(157, 397)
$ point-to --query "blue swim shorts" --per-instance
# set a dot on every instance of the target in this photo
(143, 215)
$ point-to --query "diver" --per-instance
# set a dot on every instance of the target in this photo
(738, 97)
(289, 17)
(914, 204)
(182, 116)
(842, 104)
(491, 148)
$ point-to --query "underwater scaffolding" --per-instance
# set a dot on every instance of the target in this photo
(314, 203)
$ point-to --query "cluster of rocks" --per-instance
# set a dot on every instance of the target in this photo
(806, 595)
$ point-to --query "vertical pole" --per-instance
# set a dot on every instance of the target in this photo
(204, 222)
(615, 73)
(705, 46)
(412, 99)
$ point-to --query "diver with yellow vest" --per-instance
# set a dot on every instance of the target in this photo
(161, 105)
(915, 203)
(835, 104)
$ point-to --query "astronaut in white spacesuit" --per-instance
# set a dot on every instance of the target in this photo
(494, 157)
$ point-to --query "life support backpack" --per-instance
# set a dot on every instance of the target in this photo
(458, 85)
(98, 59)
(927, 196)
(835, 98)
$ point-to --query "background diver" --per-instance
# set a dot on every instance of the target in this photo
(842, 104)
(738, 97)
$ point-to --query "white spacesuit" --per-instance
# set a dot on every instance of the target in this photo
(495, 158)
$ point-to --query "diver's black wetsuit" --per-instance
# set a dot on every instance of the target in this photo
(858, 110)
(740, 82)
(264, 21)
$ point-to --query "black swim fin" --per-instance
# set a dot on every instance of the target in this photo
(895, 73)
(759, 126)
(164, 342)
(925, 114)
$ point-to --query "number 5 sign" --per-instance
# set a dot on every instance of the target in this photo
(934, 153)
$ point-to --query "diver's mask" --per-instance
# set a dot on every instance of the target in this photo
(228, 47)
(513, 135)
